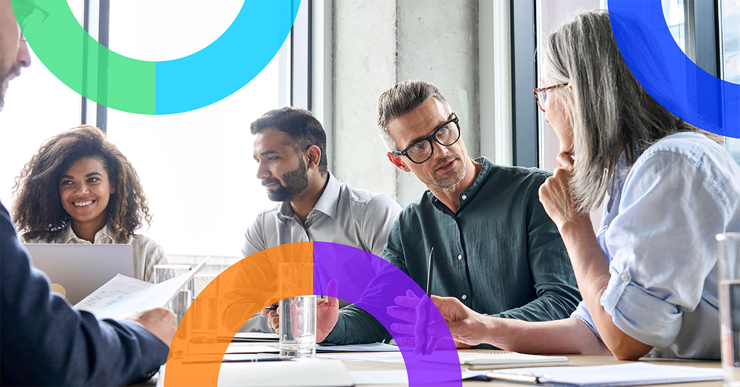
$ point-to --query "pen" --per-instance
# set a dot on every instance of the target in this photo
(272, 307)
(524, 377)
(430, 272)
(253, 360)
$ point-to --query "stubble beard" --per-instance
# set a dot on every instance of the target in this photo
(449, 182)
(296, 181)
(5, 77)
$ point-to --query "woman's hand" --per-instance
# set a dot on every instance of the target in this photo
(556, 198)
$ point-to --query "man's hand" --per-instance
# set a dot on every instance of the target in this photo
(327, 313)
(467, 326)
(423, 333)
(158, 321)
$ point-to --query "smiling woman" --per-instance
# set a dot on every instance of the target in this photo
(97, 197)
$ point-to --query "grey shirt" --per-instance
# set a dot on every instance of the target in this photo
(345, 215)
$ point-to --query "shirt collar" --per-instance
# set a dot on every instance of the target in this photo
(102, 236)
(329, 200)
(469, 193)
(327, 203)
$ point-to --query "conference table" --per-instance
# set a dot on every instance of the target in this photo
(576, 360)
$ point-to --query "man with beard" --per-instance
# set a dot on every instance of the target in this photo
(44, 340)
(496, 250)
(290, 147)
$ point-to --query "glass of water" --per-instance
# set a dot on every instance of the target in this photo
(297, 314)
(205, 308)
(728, 250)
(181, 302)
(298, 327)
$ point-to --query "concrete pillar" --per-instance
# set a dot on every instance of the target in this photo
(379, 43)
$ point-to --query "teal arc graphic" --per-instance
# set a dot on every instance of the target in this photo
(667, 74)
(158, 87)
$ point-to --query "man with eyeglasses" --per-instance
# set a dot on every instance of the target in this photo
(495, 248)
(44, 340)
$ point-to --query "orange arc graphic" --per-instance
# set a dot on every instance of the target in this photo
(239, 292)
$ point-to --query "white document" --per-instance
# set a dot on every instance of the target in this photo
(494, 360)
(392, 377)
(122, 295)
(474, 360)
(255, 336)
(372, 347)
(291, 373)
(381, 357)
(630, 374)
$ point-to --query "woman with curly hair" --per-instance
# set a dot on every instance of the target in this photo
(79, 188)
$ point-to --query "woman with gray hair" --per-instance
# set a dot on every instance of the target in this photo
(648, 277)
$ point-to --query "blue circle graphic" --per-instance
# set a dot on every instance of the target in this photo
(668, 75)
(230, 62)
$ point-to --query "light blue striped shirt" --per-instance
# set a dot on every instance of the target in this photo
(658, 235)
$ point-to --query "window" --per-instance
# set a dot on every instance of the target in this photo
(196, 167)
(730, 55)
(551, 13)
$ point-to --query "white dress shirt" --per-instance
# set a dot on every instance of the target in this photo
(147, 252)
(345, 215)
(658, 235)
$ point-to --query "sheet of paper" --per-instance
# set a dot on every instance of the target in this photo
(255, 336)
(390, 377)
(373, 347)
(621, 374)
(260, 347)
(122, 295)
(253, 348)
(382, 357)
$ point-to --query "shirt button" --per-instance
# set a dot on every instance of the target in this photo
(464, 197)
(624, 277)
(464, 297)
(459, 257)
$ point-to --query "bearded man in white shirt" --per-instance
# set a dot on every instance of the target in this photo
(290, 147)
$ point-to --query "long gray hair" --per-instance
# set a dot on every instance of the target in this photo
(608, 109)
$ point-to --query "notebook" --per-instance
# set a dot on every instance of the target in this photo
(494, 360)
(75, 271)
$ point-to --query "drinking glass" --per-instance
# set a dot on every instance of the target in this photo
(205, 308)
(181, 302)
(728, 250)
(297, 314)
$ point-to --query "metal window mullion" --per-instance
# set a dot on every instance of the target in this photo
(524, 78)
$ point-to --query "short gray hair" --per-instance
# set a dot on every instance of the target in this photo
(607, 108)
(402, 99)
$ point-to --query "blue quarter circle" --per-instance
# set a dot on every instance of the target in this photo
(230, 62)
(676, 82)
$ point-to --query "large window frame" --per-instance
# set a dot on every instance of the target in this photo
(294, 56)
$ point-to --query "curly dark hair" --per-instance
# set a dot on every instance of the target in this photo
(37, 209)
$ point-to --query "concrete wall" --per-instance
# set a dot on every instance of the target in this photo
(381, 42)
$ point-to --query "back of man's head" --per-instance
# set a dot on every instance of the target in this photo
(302, 127)
(402, 99)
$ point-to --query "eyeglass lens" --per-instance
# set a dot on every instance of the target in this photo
(422, 150)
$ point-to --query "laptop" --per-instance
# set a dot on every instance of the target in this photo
(76, 271)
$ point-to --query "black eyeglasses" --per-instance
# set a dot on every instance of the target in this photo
(446, 135)
(540, 94)
(30, 16)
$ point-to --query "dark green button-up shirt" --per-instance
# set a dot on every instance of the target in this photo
(499, 254)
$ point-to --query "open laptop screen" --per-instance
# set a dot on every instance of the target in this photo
(78, 270)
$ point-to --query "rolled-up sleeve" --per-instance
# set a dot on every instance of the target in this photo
(658, 245)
